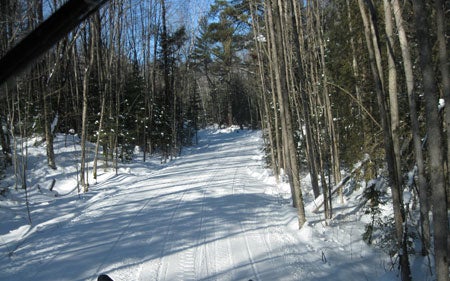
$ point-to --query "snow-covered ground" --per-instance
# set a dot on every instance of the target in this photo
(215, 213)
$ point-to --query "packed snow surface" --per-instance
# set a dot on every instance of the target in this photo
(214, 213)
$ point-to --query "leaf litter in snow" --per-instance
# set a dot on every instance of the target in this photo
(215, 213)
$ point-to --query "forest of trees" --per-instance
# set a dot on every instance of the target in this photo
(330, 83)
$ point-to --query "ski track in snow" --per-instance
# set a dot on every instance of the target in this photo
(204, 216)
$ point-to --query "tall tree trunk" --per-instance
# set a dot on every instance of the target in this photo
(434, 143)
(440, 9)
(5, 140)
(44, 88)
(5, 39)
(116, 148)
(99, 136)
(84, 117)
(409, 77)
(299, 70)
(284, 28)
(333, 141)
(361, 123)
(168, 99)
(373, 48)
(355, 67)
(273, 91)
(392, 88)
(47, 116)
(267, 116)
(48, 132)
(290, 154)
(102, 87)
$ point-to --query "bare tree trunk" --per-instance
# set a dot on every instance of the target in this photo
(373, 48)
(5, 39)
(440, 7)
(357, 82)
(99, 135)
(102, 87)
(409, 77)
(86, 78)
(147, 33)
(434, 144)
(48, 133)
(333, 141)
(299, 70)
(5, 140)
(355, 67)
(24, 151)
(276, 59)
(275, 21)
(11, 117)
(44, 88)
(319, 102)
(168, 93)
(277, 139)
(392, 88)
(265, 109)
(116, 150)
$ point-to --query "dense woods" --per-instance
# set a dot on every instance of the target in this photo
(334, 85)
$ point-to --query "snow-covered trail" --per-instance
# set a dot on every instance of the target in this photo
(205, 216)
(218, 225)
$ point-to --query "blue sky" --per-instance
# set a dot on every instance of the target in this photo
(179, 13)
(182, 11)
(187, 12)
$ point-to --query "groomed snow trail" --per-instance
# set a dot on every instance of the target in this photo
(217, 225)
(207, 215)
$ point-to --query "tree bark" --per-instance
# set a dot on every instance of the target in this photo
(283, 98)
(84, 118)
(333, 140)
(373, 48)
(273, 91)
(44, 88)
(440, 9)
(102, 87)
(48, 132)
(434, 143)
(267, 115)
(392, 88)
(415, 130)
(305, 102)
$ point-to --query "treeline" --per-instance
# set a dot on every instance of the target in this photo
(127, 77)
(331, 83)
(367, 81)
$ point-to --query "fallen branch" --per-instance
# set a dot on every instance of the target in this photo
(318, 202)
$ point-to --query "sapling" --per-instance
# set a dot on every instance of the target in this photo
(372, 194)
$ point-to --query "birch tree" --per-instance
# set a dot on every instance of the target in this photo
(84, 130)
(373, 48)
(278, 60)
(415, 130)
